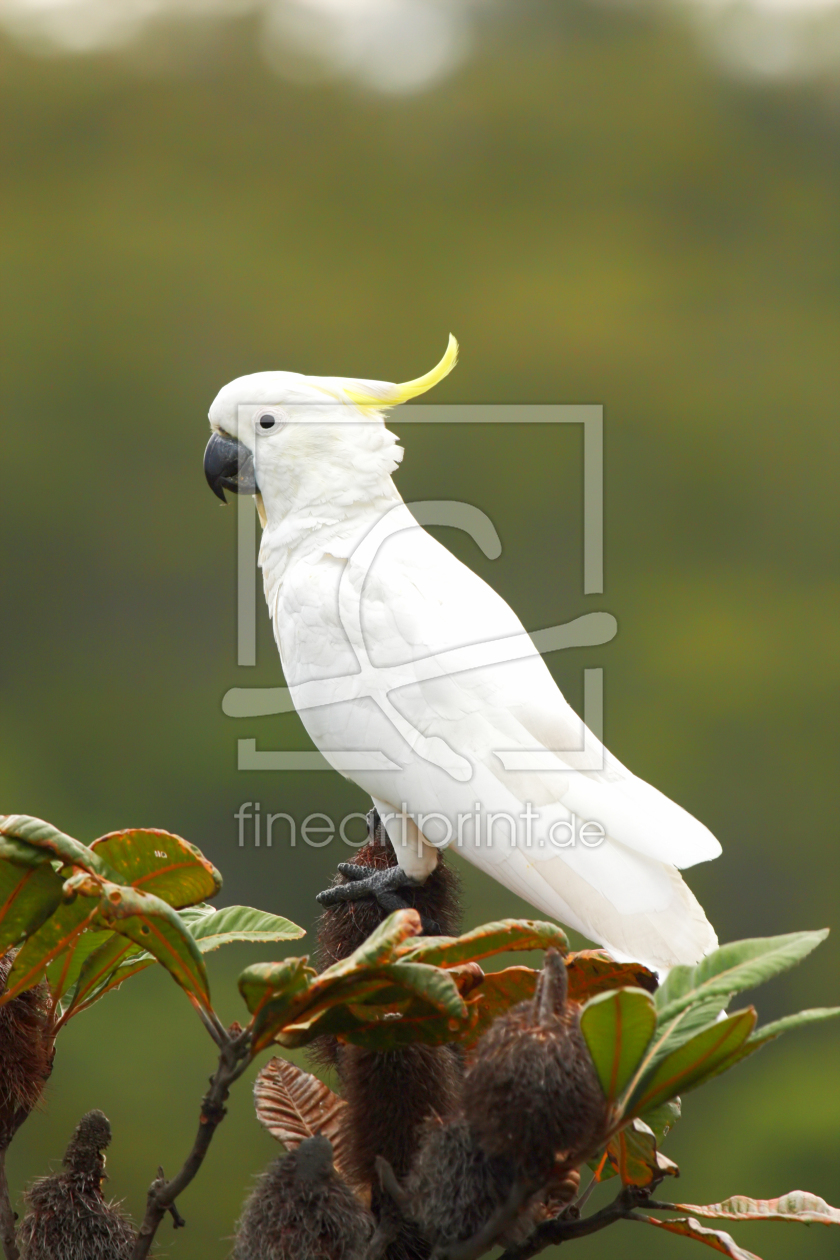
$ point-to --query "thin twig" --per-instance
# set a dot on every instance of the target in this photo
(213, 1025)
(393, 1210)
(7, 1213)
(234, 1058)
(581, 1200)
(178, 1221)
(389, 1183)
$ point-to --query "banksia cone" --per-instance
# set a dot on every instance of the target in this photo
(389, 1095)
(25, 1052)
(67, 1216)
(532, 1092)
(455, 1187)
(302, 1210)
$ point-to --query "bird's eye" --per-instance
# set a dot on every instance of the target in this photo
(267, 420)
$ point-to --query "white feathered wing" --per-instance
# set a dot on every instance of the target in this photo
(417, 601)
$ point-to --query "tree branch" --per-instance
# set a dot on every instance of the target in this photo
(552, 1233)
(7, 1215)
(234, 1058)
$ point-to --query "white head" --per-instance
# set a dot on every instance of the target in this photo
(307, 441)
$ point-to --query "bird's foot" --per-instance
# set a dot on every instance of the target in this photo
(381, 885)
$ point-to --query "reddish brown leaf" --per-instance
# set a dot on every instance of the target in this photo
(688, 1227)
(592, 971)
(633, 1155)
(497, 993)
(293, 1106)
(467, 977)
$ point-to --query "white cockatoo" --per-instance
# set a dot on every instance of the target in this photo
(415, 679)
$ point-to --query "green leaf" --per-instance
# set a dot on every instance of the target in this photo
(807, 1209)
(770, 1032)
(63, 971)
(378, 1031)
(430, 983)
(340, 981)
(41, 837)
(482, 942)
(354, 1010)
(733, 968)
(382, 944)
(29, 893)
(239, 923)
(56, 939)
(105, 968)
(367, 966)
(159, 863)
(686, 1024)
(268, 982)
(270, 991)
(370, 996)
(363, 1017)
(294, 1007)
(707, 1053)
(156, 927)
(661, 1120)
(617, 1028)
(688, 1227)
(190, 915)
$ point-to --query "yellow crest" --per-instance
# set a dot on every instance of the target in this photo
(394, 394)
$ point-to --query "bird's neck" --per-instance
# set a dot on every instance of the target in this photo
(333, 529)
(326, 504)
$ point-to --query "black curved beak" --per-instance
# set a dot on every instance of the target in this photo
(229, 465)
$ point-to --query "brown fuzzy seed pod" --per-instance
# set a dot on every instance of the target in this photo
(346, 926)
(67, 1216)
(85, 1150)
(455, 1187)
(531, 1091)
(389, 1095)
(301, 1209)
(25, 1051)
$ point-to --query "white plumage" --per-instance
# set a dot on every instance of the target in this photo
(391, 645)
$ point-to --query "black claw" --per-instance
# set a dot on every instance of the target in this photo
(351, 871)
(382, 885)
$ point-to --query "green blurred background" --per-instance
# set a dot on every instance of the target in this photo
(600, 214)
